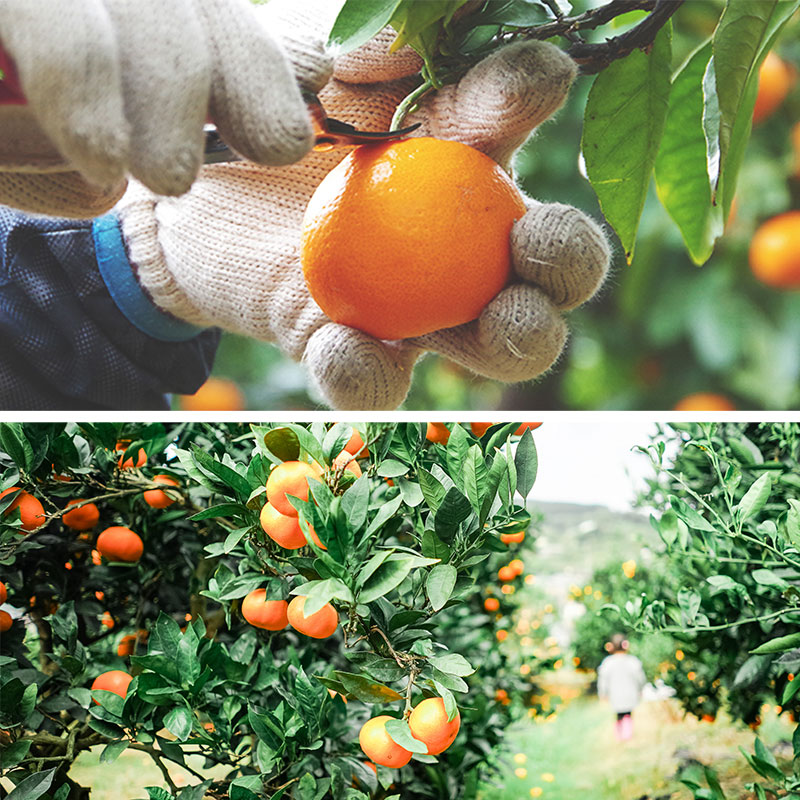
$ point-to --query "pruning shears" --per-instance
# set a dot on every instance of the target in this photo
(328, 132)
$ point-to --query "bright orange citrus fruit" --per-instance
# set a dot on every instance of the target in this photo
(216, 394)
(262, 613)
(775, 251)
(319, 625)
(290, 478)
(429, 724)
(704, 401)
(774, 81)
(31, 511)
(157, 498)
(114, 680)
(379, 747)
(437, 432)
(83, 518)
(405, 238)
(118, 543)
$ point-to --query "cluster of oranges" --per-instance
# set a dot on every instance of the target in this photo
(511, 571)
(115, 543)
(280, 520)
(429, 724)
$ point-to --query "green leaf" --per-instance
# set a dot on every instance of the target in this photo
(781, 644)
(220, 510)
(385, 513)
(179, 723)
(793, 522)
(455, 508)
(685, 512)
(112, 751)
(358, 21)
(13, 753)
(157, 793)
(790, 690)
(526, 461)
(440, 584)
(766, 577)
(452, 664)
(458, 446)
(34, 786)
(432, 489)
(355, 503)
(366, 690)
(229, 477)
(623, 123)
(681, 167)
(434, 547)
(390, 574)
(335, 440)
(392, 469)
(400, 733)
(745, 33)
(475, 477)
(319, 593)
(14, 442)
(283, 444)
(755, 497)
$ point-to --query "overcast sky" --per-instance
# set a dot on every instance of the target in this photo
(591, 462)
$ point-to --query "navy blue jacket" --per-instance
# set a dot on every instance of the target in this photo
(76, 329)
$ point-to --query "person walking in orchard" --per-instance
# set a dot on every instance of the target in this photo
(620, 680)
(121, 259)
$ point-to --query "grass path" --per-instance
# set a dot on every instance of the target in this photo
(575, 754)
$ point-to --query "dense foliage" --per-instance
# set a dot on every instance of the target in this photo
(729, 519)
(409, 548)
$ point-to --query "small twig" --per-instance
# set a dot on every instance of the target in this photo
(594, 57)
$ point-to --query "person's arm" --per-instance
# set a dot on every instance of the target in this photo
(77, 330)
(602, 680)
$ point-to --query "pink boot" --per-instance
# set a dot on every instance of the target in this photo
(625, 728)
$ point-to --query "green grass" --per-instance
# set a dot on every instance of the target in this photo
(577, 748)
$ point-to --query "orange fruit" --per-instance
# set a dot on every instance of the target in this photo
(118, 543)
(479, 428)
(429, 724)
(704, 401)
(437, 432)
(775, 251)
(83, 518)
(501, 696)
(216, 394)
(518, 565)
(774, 81)
(285, 530)
(501, 635)
(509, 538)
(507, 573)
(491, 604)
(157, 498)
(31, 511)
(379, 747)
(96, 558)
(409, 237)
(349, 462)
(128, 463)
(262, 613)
(354, 445)
(290, 478)
(107, 621)
(3, 593)
(709, 717)
(6, 621)
(526, 426)
(114, 680)
(320, 625)
(127, 644)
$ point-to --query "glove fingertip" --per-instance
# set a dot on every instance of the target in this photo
(355, 371)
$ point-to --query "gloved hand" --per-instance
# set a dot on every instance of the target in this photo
(226, 253)
(119, 87)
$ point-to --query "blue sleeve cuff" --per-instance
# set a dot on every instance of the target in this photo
(130, 298)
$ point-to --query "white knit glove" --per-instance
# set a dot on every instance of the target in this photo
(123, 87)
(226, 254)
